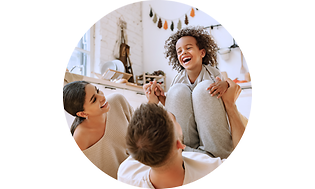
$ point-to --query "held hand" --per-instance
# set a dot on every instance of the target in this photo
(149, 92)
(146, 87)
(219, 87)
(232, 93)
(158, 89)
(159, 92)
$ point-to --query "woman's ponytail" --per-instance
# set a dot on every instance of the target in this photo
(76, 122)
(73, 101)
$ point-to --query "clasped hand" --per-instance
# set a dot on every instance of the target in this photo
(154, 92)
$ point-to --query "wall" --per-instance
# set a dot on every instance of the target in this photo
(106, 30)
(154, 38)
(147, 41)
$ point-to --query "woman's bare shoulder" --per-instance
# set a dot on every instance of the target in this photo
(81, 137)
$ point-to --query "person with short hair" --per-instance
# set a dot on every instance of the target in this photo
(155, 144)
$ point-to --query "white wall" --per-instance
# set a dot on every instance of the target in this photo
(106, 35)
(154, 38)
(147, 41)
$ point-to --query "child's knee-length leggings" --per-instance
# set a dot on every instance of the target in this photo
(202, 117)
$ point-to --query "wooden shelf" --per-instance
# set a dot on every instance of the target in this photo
(110, 74)
(147, 78)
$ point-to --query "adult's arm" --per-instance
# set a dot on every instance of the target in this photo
(229, 98)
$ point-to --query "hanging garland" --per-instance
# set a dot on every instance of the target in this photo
(158, 19)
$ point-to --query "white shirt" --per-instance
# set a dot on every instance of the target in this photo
(197, 165)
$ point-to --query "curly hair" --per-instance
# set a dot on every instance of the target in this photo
(204, 41)
(150, 135)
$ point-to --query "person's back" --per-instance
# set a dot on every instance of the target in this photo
(196, 165)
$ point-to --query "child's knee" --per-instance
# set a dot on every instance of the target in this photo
(179, 90)
(201, 89)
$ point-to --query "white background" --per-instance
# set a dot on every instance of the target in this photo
(37, 39)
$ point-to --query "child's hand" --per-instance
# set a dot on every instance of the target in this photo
(156, 90)
(159, 92)
(149, 92)
(219, 87)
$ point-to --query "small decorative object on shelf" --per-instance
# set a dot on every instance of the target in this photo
(159, 76)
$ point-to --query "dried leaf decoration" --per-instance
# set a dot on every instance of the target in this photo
(172, 26)
(186, 19)
(179, 25)
(192, 12)
(165, 25)
(160, 23)
(154, 19)
(151, 13)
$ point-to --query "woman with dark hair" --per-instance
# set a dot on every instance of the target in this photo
(100, 125)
